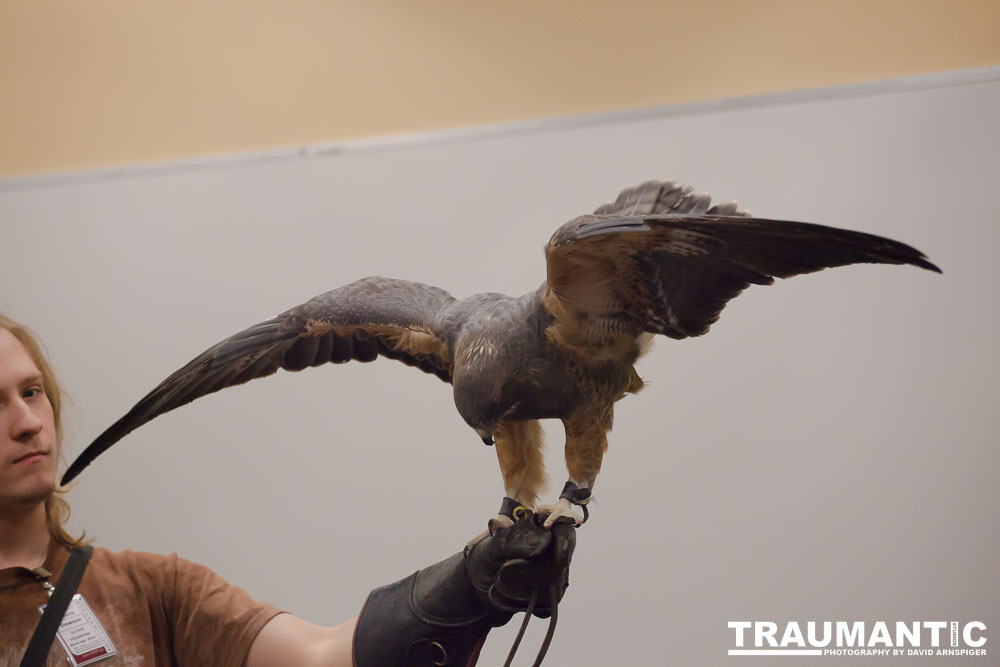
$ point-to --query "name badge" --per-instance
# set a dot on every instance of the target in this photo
(81, 635)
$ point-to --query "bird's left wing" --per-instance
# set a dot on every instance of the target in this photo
(370, 317)
(663, 261)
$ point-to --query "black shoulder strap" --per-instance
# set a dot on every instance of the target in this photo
(45, 631)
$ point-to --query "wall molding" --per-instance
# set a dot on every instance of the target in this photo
(406, 141)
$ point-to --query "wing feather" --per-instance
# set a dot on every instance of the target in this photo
(671, 267)
(659, 197)
(360, 321)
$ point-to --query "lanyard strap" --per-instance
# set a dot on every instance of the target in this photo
(45, 631)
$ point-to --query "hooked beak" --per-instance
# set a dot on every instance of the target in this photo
(487, 436)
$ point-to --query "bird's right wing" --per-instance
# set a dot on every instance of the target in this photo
(368, 318)
(662, 260)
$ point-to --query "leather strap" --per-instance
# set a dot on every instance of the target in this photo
(45, 631)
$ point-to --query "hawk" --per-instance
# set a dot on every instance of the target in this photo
(659, 260)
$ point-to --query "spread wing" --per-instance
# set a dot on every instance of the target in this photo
(368, 318)
(662, 260)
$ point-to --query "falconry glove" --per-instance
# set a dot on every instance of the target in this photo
(441, 615)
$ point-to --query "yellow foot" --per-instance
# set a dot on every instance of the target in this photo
(561, 508)
(496, 524)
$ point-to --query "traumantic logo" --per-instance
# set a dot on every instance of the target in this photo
(855, 638)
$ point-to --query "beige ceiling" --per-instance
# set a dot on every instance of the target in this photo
(111, 82)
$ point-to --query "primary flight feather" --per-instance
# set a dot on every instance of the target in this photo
(658, 260)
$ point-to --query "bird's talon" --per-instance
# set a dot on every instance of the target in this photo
(498, 523)
(493, 526)
(562, 508)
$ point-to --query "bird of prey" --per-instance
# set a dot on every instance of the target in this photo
(658, 260)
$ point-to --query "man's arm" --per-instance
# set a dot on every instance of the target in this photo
(288, 640)
(438, 615)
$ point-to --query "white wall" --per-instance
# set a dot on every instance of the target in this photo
(828, 451)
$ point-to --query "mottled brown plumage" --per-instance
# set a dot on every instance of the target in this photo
(658, 260)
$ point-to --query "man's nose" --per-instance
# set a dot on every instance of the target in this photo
(25, 424)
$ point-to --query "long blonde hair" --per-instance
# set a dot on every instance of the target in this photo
(57, 508)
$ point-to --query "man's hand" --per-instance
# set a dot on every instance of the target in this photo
(441, 615)
(522, 559)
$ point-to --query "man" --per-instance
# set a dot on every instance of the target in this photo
(167, 611)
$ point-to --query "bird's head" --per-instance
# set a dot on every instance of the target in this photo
(483, 417)
(479, 400)
(479, 380)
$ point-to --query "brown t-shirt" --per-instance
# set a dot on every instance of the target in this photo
(158, 610)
